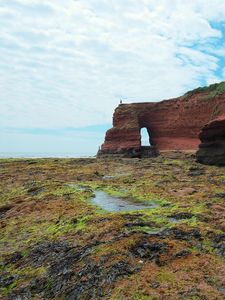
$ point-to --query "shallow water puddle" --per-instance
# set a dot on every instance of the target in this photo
(113, 203)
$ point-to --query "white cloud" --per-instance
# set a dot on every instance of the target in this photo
(67, 63)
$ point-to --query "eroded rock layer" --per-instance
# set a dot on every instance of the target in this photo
(172, 124)
(212, 149)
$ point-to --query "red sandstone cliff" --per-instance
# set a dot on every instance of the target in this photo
(212, 148)
(172, 124)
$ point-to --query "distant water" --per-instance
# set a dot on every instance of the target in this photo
(43, 155)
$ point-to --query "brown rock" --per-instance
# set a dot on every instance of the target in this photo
(212, 149)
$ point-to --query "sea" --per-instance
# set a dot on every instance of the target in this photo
(45, 155)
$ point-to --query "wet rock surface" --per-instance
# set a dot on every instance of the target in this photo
(150, 250)
(72, 271)
(74, 274)
(67, 277)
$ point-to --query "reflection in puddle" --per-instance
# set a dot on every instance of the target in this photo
(111, 203)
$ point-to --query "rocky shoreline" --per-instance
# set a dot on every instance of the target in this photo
(55, 244)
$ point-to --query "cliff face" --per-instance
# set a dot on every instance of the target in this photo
(212, 148)
(172, 124)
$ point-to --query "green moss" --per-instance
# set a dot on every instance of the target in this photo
(65, 226)
(10, 193)
(81, 225)
(64, 190)
(49, 284)
(164, 276)
(116, 191)
(173, 162)
(140, 296)
(5, 291)
(192, 222)
(158, 216)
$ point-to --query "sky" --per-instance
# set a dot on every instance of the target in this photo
(65, 64)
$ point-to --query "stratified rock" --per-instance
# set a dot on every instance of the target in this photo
(212, 149)
(172, 124)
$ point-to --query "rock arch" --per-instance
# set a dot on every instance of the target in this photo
(174, 124)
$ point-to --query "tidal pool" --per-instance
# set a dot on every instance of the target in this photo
(113, 203)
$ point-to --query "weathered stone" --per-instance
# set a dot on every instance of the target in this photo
(212, 149)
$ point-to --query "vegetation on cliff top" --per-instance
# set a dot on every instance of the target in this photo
(211, 90)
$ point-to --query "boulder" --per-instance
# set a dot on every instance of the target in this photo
(212, 148)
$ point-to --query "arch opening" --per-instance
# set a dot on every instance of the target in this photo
(145, 138)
